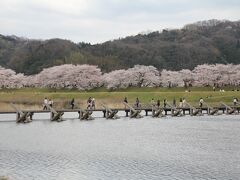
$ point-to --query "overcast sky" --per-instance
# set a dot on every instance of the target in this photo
(97, 21)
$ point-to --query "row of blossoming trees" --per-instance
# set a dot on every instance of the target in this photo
(85, 77)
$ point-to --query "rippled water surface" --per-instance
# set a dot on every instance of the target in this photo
(132, 149)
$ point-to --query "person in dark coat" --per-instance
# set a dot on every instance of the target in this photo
(158, 103)
(137, 102)
(125, 100)
(72, 103)
(164, 103)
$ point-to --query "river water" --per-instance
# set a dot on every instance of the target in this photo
(206, 147)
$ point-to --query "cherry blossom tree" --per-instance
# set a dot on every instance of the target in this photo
(171, 79)
(85, 77)
(82, 77)
(229, 74)
(206, 75)
(187, 77)
(216, 75)
(144, 76)
(138, 76)
(9, 79)
(117, 79)
(235, 77)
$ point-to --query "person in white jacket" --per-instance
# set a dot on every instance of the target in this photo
(45, 102)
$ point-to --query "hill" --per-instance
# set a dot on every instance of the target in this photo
(210, 42)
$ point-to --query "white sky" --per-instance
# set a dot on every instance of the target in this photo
(97, 21)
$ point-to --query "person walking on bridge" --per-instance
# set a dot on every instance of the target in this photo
(201, 102)
(45, 102)
(180, 103)
(93, 104)
(125, 101)
(158, 103)
(164, 103)
(137, 104)
(50, 102)
(72, 103)
(184, 102)
(89, 103)
(153, 102)
(235, 101)
(174, 102)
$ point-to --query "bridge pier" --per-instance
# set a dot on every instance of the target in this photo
(104, 113)
(27, 115)
(127, 111)
(146, 111)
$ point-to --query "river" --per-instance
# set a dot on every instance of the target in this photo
(206, 147)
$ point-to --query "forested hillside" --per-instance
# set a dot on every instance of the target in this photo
(203, 42)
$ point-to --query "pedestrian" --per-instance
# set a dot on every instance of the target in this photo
(153, 102)
(45, 102)
(158, 103)
(201, 102)
(180, 103)
(72, 103)
(235, 101)
(93, 104)
(214, 88)
(164, 103)
(50, 102)
(137, 104)
(184, 102)
(174, 102)
(89, 103)
(125, 101)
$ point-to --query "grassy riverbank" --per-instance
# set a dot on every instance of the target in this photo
(32, 98)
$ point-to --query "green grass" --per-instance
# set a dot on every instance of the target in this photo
(36, 95)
